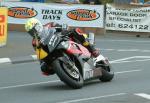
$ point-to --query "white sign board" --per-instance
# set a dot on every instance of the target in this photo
(128, 19)
(73, 15)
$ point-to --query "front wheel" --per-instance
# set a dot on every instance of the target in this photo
(68, 72)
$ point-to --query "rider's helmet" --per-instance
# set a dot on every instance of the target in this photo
(34, 27)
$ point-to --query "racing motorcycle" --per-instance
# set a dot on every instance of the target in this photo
(73, 63)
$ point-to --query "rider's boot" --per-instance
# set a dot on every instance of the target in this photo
(95, 52)
(46, 70)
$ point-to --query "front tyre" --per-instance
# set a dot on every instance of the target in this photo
(68, 73)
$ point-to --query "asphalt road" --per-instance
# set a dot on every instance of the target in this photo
(129, 56)
(18, 44)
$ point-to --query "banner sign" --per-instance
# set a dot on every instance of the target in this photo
(3, 26)
(73, 15)
(128, 19)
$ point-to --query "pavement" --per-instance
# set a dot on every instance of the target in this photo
(19, 49)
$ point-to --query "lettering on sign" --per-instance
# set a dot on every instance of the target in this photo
(2, 18)
(22, 12)
(2, 29)
(2, 26)
(83, 15)
(51, 14)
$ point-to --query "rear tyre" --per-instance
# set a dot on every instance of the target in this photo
(72, 77)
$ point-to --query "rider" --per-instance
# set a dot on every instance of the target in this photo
(39, 33)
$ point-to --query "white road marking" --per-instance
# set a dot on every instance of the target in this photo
(5, 60)
(92, 98)
(128, 59)
(126, 50)
(147, 96)
(137, 41)
(23, 85)
(108, 49)
(115, 61)
(34, 57)
(138, 70)
(118, 60)
(132, 50)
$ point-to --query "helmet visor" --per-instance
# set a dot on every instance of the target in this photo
(33, 32)
(37, 29)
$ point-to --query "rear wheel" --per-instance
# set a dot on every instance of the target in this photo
(68, 72)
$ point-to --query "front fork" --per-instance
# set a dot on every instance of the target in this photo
(96, 71)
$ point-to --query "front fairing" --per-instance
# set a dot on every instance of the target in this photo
(41, 54)
(52, 41)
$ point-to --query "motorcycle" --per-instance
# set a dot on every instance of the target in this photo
(73, 63)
